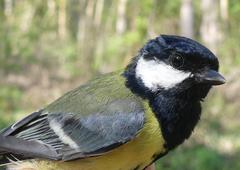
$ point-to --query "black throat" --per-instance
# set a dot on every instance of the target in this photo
(177, 112)
(177, 117)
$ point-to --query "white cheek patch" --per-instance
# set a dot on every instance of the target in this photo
(158, 74)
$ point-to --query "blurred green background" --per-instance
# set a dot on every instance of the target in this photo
(48, 47)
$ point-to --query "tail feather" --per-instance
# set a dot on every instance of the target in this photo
(9, 158)
(23, 149)
(8, 155)
(16, 148)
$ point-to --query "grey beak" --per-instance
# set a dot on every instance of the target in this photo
(211, 77)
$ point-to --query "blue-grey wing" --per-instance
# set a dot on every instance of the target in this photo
(75, 136)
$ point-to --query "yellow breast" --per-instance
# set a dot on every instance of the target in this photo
(135, 154)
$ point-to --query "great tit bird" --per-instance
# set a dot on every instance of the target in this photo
(123, 120)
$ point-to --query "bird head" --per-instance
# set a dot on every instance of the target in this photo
(177, 64)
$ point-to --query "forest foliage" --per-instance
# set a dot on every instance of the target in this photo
(48, 47)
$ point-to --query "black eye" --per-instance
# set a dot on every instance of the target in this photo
(176, 60)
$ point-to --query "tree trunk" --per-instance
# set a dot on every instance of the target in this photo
(51, 7)
(98, 13)
(187, 18)
(121, 18)
(210, 31)
(8, 6)
(62, 19)
(89, 9)
(27, 16)
(224, 10)
(81, 24)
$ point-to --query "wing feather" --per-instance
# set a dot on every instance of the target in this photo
(88, 121)
(77, 136)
